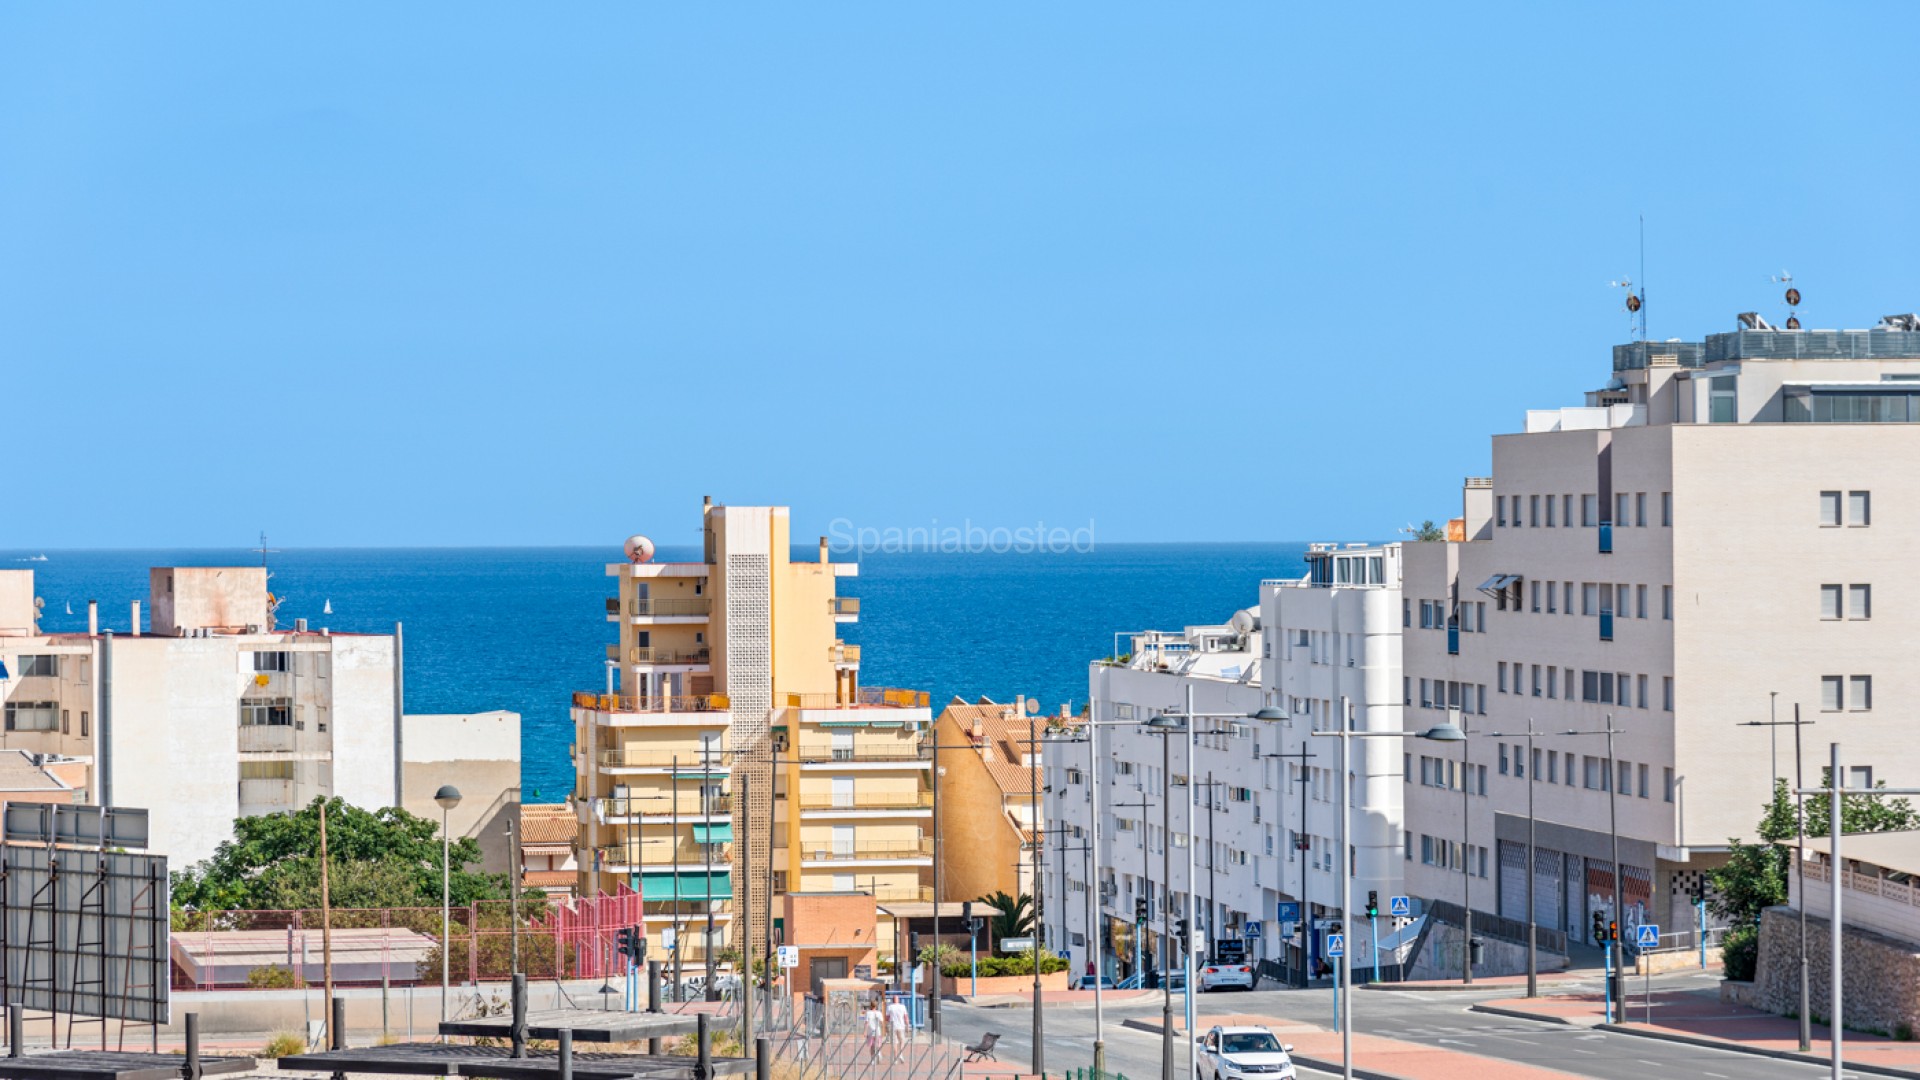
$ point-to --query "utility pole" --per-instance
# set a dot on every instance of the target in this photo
(1800, 851)
(1033, 783)
(1280, 821)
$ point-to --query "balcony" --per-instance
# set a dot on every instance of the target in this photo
(907, 754)
(268, 738)
(629, 703)
(663, 855)
(845, 608)
(640, 655)
(865, 697)
(679, 607)
(663, 806)
(689, 759)
(903, 894)
(872, 850)
(882, 800)
(259, 797)
(843, 654)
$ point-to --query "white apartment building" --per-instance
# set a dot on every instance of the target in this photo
(207, 714)
(1332, 640)
(1708, 531)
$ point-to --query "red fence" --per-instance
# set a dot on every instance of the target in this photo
(268, 950)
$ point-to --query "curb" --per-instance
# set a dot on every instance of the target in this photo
(1757, 1051)
(1462, 988)
(1328, 1065)
(1522, 1014)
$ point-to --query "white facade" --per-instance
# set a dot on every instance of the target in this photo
(1701, 536)
(207, 715)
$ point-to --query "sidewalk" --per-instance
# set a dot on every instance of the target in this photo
(1374, 1056)
(1053, 997)
(1488, 982)
(1698, 1016)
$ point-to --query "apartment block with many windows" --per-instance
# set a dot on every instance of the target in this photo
(1696, 547)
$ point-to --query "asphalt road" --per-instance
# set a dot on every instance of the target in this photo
(1438, 1019)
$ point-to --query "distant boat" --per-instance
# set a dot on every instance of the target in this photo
(327, 608)
(69, 607)
(34, 558)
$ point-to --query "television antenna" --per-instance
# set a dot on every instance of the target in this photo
(1636, 303)
(1792, 297)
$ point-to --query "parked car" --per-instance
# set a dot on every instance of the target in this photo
(1218, 976)
(1242, 1053)
(1087, 982)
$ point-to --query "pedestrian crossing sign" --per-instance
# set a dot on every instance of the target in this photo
(1336, 945)
(1399, 907)
(1647, 937)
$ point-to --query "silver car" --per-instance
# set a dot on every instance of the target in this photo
(1242, 1053)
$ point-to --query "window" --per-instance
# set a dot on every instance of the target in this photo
(1666, 692)
(1569, 772)
(1595, 773)
(64, 729)
(1859, 601)
(1641, 680)
(1859, 693)
(1722, 399)
(33, 715)
(1669, 783)
(1533, 510)
(86, 725)
(1589, 507)
(1567, 504)
(272, 661)
(1666, 602)
(1589, 598)
(1553, 767)
(1860, 776)
(1551, 688)
(266, 770)
(1666, 508)
(1830, 509)
(1500, 509)
(1536, 680)
(1568, 589)
(1553, 607)
(1549, 511)
(1832, 692)
(1830, 601)
(1620, 509)
(266, 712)
(47, 665)
(1624, 778)
(1640, 509)
(1857, 507)
(1519, 761)
(1640, 601)
(1502, 675)
(1503, 759)
(1406, 613)
(1643, 787)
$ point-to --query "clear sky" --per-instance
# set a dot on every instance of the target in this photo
(508, 273)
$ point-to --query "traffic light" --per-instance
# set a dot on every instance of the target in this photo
(966, 912)
(1599, 928)
(913, 946)
(1139, 909)
(1373, 904)
(1180, 929)
(1613, 931)
(627, 940)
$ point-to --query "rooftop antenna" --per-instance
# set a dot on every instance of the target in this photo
(1792, 297)
(273, 602)
(1636, 303)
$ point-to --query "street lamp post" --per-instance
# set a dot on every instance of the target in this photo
(1344, 977)
(1306, 933)
(1616, 982)
(448, 797)
(1533, 967)
(1800, 846)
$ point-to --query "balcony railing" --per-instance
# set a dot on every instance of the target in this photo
(663, 854)
(688, 806)
(862, 800)
(842, 653)
(659, 607)
(641, 655)
(846, 605)
(906, 754)
(661, 759)
(873, 849)
(865, 697)
(903, 894)
(629, 703)
(267, 738)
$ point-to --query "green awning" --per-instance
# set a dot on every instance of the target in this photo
(713, 834)
(845, 723)
(693, 885)
(702, 776)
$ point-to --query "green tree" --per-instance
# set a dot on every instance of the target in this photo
(384, 858)
(1859, 813)
(1016, 914)
(1425, 531)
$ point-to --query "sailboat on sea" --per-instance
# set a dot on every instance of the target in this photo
(327, 608)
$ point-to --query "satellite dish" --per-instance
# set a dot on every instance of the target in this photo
(1633, 302)
(1793, 296)
(1793, 322)
(639, 548)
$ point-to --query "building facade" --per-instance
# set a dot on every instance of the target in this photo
(1696, 547)
(991, 776)
(736, 754)
(206, 711)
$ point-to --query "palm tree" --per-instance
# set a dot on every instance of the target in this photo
(1016, 914)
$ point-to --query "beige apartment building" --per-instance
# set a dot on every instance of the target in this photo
(1699, 546)
(736, 752)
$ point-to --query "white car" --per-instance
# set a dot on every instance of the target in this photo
(1222, 976)
(1242, 1053)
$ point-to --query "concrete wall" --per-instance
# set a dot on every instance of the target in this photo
(226, 598)
(479, 753)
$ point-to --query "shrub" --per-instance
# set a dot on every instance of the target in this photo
(284, 1044)
(1740, 952)
(993, 966)
(274, 977)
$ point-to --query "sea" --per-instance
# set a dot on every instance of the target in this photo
(523, 628)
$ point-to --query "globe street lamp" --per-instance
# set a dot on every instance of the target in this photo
(448, 797)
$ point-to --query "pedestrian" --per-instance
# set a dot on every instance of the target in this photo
(874, 1025)
(897, 1025)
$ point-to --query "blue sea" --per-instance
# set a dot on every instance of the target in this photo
(523, 628)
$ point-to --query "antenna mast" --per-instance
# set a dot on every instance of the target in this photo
(1636, 303)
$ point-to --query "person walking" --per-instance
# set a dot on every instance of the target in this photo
(897, 1026)
(874, 1025)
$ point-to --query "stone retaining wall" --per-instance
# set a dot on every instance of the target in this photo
(1882, 973)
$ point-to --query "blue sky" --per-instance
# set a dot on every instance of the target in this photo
(500, 273)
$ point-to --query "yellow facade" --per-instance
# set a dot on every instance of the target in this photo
(738, 733)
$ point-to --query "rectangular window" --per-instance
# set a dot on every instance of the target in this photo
(266, 770)
(1536, 680)
(1666, 602)
(1549, 511)
(1589, 598)
(1519, 760)
(1620, 509)
(1552, 683)
(1858, 505)
(1569, 773)
(64, 728)
(1666, 692)
(1553, 606)
(1483, 699)
(1830, 601)
(1553, 768)
(1830, 509)
(40, 666)
(1643, 794)
(1859, 601)
(1589, 508)
(1568, 590)
(1668, 777)
(1593, 776)
(1566, 503)
(272, 661)
(86, 725)
(1722, 399)
(1859, 693)
(1623, 780)
(1642, 686)
(1640, 602)
(1640, 510)
(1502, 666)
(33, 715)
(1503, 760)
(1500, 509)
(1666, 508)
(1832, 692)
(266, 712)
(1623, 688)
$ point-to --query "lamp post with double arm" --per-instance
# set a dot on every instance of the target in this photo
(1800, 852)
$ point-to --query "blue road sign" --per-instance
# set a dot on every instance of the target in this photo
(1400, 907)
(1253, 928)
(1289, 911)
(1648, 936)
(1336, 944)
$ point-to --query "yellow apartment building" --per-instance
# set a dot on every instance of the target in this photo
(990, 782)
(736, 750)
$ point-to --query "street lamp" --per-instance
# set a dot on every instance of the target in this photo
(1531, 763)
(1445, 733)
(1616, 983)
(448, 797)
(1800, 848)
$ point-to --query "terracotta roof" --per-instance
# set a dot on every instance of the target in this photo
(1004, 734)
(548, 879)
(547, 823)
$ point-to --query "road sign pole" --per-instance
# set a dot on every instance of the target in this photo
(1337, 950)
(1373, 932)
